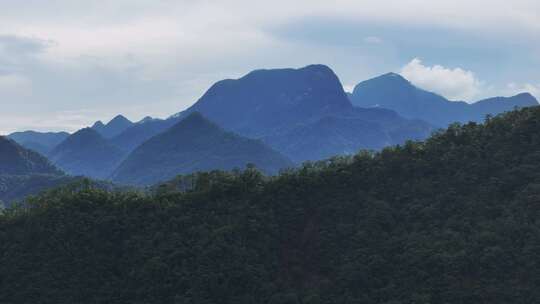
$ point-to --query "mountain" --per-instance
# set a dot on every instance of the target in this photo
(140, 132)
(256, 104)
(265, 100)
(302, 113)
(194, 144)
(394, 92)
(362, 129)
(454, 220)
(498, 105)
(114, 127)
(38, 141)
(87, 153)
(17, 160)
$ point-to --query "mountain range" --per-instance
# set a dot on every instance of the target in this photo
(24, 172)
(273, 118)
(17, 160)
(114, 127)
(454, 219)
(392, 91)
(303, 113)
(39, 141)
(87, 153)
(195, 144)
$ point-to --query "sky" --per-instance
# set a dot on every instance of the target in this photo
(67, 63)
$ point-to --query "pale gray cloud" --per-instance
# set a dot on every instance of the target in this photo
(155, 58)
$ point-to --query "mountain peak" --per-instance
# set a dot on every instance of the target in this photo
(388, 79)
(195, 144)
(119, 119)
(98, 124)
(87, 153)
(145, 119)
(527, 96)
(114, 127)
(83, 136)
(265, 100)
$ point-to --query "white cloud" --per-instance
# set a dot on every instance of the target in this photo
(348, 87)
(516, 88)
(453, 83)
(159, 56)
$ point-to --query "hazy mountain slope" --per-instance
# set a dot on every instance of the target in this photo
(140, 132)
(194, 144)
(87, 153)
(17, 160)
(264, 100)
(303, 113)
(39, 141)
(394, 92)
(362, 129)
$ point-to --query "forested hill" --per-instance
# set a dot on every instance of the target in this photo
(17, 160)
(455, 219)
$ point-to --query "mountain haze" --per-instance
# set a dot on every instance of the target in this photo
(303, 113)
(361, 129)
(17, 160)
(140, 132)
(195, 144)
(265, 100)
(39, 141)
(392, 91)
(87, 153)
(114, 127)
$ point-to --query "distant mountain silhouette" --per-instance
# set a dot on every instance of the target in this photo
(87, 153)
(114, 127)
(370, 129)
(302, 113)
(17, 160)
(38, 141)
(195, 144)
(266, 100)
(142, 131)
(394, 92)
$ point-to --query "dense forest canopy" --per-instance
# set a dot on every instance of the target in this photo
(454, 219)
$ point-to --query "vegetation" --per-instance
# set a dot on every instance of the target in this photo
(454, 219)
(17, 160)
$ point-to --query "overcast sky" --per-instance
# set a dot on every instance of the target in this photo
(67, 63)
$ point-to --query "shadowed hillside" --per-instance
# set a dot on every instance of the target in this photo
(453, 219)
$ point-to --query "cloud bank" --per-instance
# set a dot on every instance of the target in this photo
(139, 57)
(452, 83)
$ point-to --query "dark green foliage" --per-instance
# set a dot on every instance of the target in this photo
(16, 188)
(455, 219)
